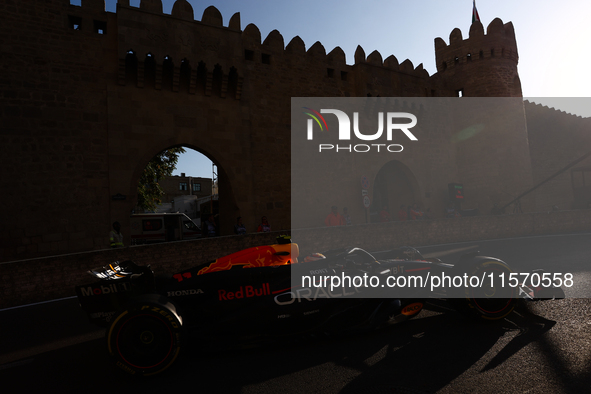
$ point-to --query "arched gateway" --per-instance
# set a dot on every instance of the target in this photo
(227, 200)
(394, 185)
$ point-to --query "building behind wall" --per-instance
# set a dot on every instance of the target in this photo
(182, 192)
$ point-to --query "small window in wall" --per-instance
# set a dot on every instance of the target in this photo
(196, 187)
(469, 57)
(167, 73)
(201, 76)
(182, 185)
(217, 80)
(265, 58)
(456, 60)
(248, 55)
(330, 72)
(232, 82)
(131, 67)
(100, 27)
(343, 75)
(149, 70)
(74, 22)
(185, 74)
(460, 93)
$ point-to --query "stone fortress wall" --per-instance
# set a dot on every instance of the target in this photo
(88, 97)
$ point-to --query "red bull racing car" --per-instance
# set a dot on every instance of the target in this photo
(253, 294)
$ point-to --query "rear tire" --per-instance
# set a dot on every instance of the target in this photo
(145, 338)
(485, 302)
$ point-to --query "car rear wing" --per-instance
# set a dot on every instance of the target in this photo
(118, 283)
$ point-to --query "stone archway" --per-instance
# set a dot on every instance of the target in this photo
(227, 206)
(394, 185)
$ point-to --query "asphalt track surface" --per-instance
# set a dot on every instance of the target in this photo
(543, 347)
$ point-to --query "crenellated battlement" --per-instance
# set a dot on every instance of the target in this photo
(499, 42)
(177, 52)
(198, 52)
(541, 108)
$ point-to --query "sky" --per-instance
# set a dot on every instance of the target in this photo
(552, 38)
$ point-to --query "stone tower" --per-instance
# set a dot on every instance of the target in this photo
(489, 135)
(484, 65)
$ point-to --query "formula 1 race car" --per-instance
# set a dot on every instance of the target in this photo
(250, 294)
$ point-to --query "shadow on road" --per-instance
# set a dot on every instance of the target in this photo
(423, 355)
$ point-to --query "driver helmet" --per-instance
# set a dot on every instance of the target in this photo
(314, 257)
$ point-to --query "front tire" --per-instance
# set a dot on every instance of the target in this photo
(145, 338)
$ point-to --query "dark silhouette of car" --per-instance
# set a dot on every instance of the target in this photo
(266, 293)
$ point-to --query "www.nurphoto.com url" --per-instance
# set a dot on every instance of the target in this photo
(434, 282)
